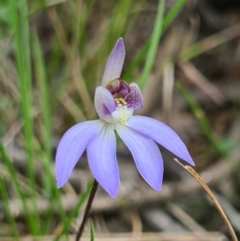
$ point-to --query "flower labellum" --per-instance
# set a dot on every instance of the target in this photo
(115, 102)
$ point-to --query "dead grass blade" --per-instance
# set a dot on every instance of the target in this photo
(211, 195)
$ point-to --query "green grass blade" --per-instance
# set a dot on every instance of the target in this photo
(91, 230)
(117, 22)
(136, 61)
(10, 218)
(81, 10)
(202, 120)
(44, 102)
(143, 51)
(33, 223)
(157, 31)
(173, 13)
(55, 195)
(20, 26)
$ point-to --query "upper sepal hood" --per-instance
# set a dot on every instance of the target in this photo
(114, 65)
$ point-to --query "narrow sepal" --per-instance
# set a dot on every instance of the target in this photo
(71, 147)
(162, 134)
(102, 160)
(146, 155)
(114, 63)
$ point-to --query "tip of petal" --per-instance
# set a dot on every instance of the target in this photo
(119, 45)
(192, 162)
(60, 181)
(111, 187)
(113, 193)
(114, 63)
(187, 158)
(59, 185)
(156, 187)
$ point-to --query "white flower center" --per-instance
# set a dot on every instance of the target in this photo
(122, 113)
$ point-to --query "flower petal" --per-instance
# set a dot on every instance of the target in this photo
(114, 63)
(162, 134)
(146, 155)
(71, 147)
(134, 97)
(104, 104)
(102, 160)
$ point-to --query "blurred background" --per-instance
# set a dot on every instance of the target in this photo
(185, 56)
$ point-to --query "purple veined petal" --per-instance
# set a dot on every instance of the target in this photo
(162, 134)
(104, 104)
(134, 99)
(102, 159)
(114, 63)
(71, 147)
(146, 155)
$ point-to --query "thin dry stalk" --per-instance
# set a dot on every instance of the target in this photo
(74, 63)
(209, 43)
(196, 77)
(211, 195)
(167, 90)
(70, 105)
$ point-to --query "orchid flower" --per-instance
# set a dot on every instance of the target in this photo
(115, 102)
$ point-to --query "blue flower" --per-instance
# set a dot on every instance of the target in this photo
(115, 101)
